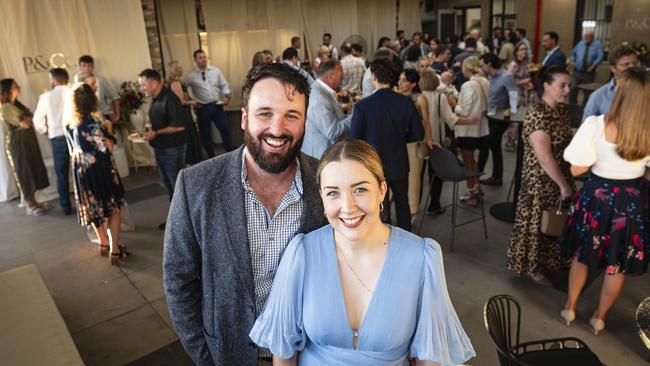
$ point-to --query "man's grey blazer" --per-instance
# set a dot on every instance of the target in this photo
(325, 124)
(207, 269)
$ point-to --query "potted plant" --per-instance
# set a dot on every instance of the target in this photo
(131, 99)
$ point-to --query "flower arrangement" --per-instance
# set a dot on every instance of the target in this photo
(130, 98)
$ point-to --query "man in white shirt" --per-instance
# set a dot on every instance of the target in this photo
(353, 69)
(476, 34)
(327, 42)
(212, 92)
(290, 57)
(109, 100)
(48, 119)
(326, 122)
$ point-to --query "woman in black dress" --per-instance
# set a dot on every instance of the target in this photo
(193, 149)
(21, 145)
(98, 189)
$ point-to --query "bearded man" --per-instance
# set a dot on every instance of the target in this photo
(232, 217)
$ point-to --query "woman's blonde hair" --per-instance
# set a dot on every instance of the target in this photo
(171, 74)
(357, 150)
(471, 65)
(429, 81)
(82, 103)
(630, 110)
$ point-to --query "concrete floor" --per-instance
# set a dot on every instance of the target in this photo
(118, 315)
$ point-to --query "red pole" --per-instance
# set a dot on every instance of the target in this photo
(538, 22)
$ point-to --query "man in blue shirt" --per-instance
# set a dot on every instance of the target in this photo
(501, 82)
(620, 59)
(585, 56)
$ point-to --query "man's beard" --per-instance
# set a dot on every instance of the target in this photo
(271, 162)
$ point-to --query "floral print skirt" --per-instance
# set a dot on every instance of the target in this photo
(607, 226)
(98, 188)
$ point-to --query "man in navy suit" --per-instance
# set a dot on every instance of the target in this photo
(554, 55)
(388, 121)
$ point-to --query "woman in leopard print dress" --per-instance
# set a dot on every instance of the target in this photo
(545, 178)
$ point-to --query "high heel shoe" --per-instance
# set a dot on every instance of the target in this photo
(597, 325)
(540, 279)
(115, 257)
(568, 316)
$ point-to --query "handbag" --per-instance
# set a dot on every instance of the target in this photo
(446, 141)
(553, 220)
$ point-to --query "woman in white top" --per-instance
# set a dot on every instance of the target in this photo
(472, 101)
(607, 226)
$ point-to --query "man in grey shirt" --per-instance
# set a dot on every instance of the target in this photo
(109, 100)
(326, 122)
(212, 92)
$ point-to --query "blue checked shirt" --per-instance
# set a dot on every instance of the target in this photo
(269, 236)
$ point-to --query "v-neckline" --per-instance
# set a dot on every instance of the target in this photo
(378, 288)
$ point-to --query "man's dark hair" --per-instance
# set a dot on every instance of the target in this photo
(383, 70)
(620, 52)
(416, 34)
(197, 52)
(347, 49)
(553, 36)
(357, 47)
(492, 60)
(294, 39)
(521, 31)
(289, 53)
(87, 59)
(399, 31)
(441, 49)
(327, 35)
(496, 29)
(470, 43)
(60, 75)
(384, 52)
(327, 67)
(413, 53)
(284, 73)
(150, 74)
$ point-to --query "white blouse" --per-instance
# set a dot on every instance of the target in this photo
(590, 148)
(472, 101)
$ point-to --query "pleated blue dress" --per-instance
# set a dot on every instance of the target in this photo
(410, 313)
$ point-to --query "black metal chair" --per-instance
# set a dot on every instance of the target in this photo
(502, 317)
(447, 168)
(643, 322)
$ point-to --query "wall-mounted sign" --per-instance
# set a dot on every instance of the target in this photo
(41, 63)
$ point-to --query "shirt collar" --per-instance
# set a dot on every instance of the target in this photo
(326, 87)
(553, 50)
(296, 186)
(611, 86)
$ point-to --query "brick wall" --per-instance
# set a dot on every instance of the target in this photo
(150, 21)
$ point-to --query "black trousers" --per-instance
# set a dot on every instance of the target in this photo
(580, 77)
(436, 190)
(493, 144)
(400, 189)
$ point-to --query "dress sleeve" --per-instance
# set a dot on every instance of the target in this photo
(582, 149)
(439, 336)
(280, 328)
(535, 120)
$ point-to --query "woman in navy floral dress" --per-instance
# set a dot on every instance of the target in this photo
(607, 227)
(98, 189)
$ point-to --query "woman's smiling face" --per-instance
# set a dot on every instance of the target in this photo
(351, 197)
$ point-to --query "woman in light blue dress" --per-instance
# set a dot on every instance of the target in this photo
(357, 291)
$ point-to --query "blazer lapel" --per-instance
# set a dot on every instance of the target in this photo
(231, 193)
(312, 216)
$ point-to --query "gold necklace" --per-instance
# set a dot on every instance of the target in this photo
(345, 259)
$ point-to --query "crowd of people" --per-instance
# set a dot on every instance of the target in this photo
(302, 210)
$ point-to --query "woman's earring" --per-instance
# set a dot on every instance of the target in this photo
(381, 207)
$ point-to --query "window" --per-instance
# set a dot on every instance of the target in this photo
(503, 14)
(596, 16)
